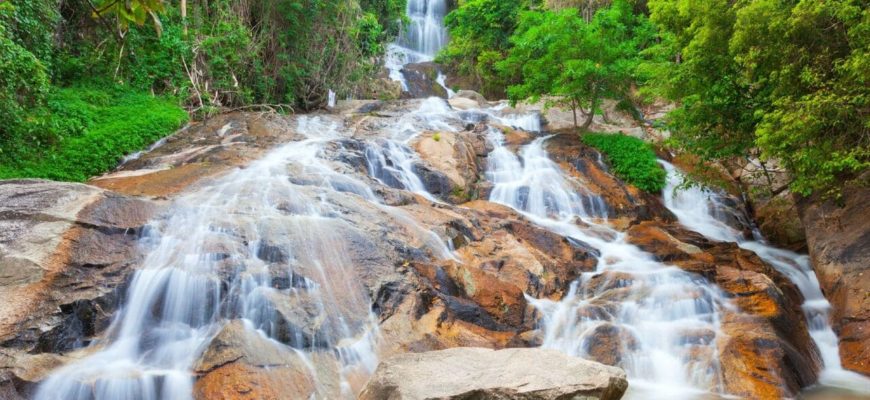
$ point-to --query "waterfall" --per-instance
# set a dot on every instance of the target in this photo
(704, 210)
(670, 318)
(420, 40)
(245, 247)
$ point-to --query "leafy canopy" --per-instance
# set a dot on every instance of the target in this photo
(558, 53)
(780, 80)
(480, 32)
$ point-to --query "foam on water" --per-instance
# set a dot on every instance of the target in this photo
(705, 211)
(661, 305)
(271, 221)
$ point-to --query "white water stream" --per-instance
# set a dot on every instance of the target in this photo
(668, 318)
(219, 255)
(704, 211)
(420, 40)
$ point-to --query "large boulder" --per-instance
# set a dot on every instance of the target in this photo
(422, 81)
(450, 155)
(66, 251)
(240, 363)
(466, 373)
(838, 237)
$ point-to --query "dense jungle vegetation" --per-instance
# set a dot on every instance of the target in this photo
(784, 81)
(780, 80)
(84, 82)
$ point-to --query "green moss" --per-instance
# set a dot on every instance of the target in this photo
(91, 129)
(632, 159)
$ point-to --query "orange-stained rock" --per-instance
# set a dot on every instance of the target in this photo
(608, 344)
(838, 237)
(582, 162)
(767, 352)
(239, 381)
(454, 155)
(757, 363)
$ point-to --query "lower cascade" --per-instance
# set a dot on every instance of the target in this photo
(424, 227)
(670, 317)
(704, 211)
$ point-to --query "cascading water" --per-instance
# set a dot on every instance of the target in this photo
(392, 162)
(705, 211)
(669, 318)
(247, 247)
(420, 40)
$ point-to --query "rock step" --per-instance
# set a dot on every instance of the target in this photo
(478, 373)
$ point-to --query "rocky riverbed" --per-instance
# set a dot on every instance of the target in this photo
(407, 256)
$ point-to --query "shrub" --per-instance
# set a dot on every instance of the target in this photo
(631, 158)
(93, 129)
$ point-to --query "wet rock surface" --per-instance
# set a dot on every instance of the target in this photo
(838, 236)
(767, 350)
(67, 251)
(463, 373)
(422, 81)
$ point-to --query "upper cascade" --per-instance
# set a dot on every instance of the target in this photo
(426, 34)
(420, 40)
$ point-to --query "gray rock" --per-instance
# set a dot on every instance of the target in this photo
(422, 81)
(470, 94)
(466, 373)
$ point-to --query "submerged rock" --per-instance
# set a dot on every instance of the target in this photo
(465, 373)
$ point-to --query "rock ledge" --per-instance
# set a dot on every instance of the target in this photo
(467, 372)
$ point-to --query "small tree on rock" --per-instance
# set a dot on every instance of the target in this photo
(579, 63)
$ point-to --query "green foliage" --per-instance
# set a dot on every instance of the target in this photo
(560, 54)
(389, 14)
(631, 158)
(31, 24)
(783, 80)
(479, 38)
(23, 76)
(93, 129)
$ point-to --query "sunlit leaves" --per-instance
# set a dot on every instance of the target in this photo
(131, 11)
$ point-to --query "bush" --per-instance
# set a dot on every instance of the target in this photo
(631, 158)
(93, 129)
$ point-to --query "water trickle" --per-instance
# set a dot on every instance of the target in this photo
(666, 320)
(265, 245)
(707, 211)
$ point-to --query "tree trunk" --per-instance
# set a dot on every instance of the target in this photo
(588, 122)
(574, 110)
(591, 114)
(184, 15)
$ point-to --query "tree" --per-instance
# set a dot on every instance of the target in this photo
(778, 80)
(560, 54)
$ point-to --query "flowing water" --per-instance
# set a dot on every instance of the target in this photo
(420, 40)
(668, 319)
(708, 212)
(266, 241)
(255, 245)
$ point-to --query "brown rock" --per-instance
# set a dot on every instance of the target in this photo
(768, 351)
(838, 237)
(241, 364)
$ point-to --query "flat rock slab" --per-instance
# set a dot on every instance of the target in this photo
(485, 374)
